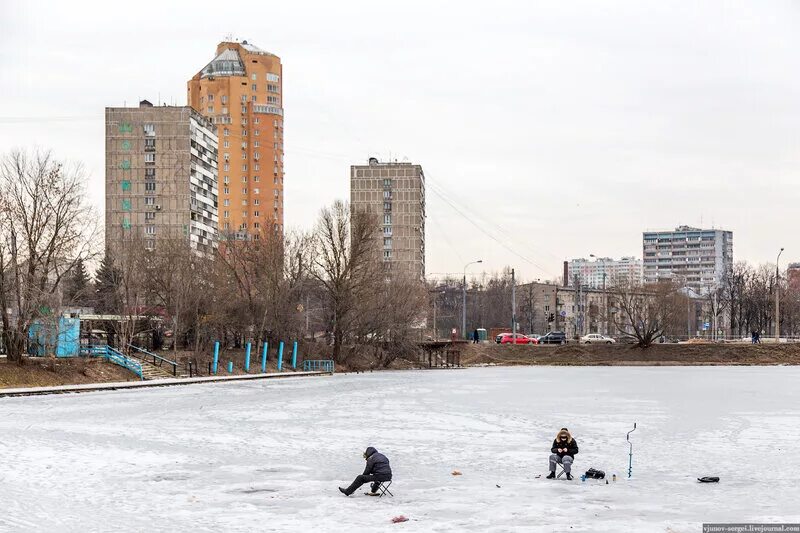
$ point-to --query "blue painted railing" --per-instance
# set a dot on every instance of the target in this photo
(118, 358)
(323, 365)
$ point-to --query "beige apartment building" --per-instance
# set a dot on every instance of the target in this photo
(395, 192)
(241, 92)
(161, 177)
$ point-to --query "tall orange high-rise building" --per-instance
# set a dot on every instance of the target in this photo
(241, 91)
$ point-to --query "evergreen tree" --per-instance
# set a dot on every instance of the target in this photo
(77, 290)
(106, 285)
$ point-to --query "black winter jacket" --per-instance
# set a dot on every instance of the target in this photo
(377, 464)
(572, 448)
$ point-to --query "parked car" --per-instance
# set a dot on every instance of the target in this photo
(534, 338)
(554, 337)
(510, 338)
(596, 338)
(499, 336)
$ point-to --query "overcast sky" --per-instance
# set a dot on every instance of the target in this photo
(546, 131)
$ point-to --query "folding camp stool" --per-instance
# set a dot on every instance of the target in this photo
(383, 488)
(561, 471)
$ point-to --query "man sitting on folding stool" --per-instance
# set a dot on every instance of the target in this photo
(377, 471)
(563, 453)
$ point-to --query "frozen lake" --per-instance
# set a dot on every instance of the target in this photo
(269, 455)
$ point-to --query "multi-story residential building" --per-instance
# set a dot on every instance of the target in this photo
(604, 271)
(697, 258)
(395, 192)
(241, 91)
(793, 276)
(161, 176)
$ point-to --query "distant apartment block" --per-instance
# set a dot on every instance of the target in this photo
(593, 273)
(697, 258)
(241, 91)
(161, 177)
(793, 276)
(395, 192)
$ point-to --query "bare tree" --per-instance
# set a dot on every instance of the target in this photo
(646, 312)
(46, 227)
(346, 265)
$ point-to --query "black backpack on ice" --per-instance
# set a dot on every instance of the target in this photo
(595, 474)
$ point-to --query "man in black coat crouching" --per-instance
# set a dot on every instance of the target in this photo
(377, 471)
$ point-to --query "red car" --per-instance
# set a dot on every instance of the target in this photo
(508, 338)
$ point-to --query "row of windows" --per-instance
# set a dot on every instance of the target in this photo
(270, 76)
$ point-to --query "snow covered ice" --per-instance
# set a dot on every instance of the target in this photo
(269, 455)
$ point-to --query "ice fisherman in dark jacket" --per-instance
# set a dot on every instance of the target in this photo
(563, 452)
(376, 471)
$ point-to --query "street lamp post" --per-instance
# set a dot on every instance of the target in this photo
(436, 294)
(777, 298)
(464, 299)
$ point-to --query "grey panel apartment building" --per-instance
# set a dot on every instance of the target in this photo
(604, 271)
(698, 258)
(161, 177)
(395, 192)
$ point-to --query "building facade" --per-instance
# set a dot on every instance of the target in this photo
(793, 276)
(161, 177)
(696, 258)
(604, 271)
(395, 192)
(241, 92)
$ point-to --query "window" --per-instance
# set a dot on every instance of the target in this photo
(226, 144)
(273, 100)
(255, 191)
(224, 99)
(244, 214)
(276, 193)
(256, 225)
(226, 156)
(244, 133)
(272, 88)
(244, 201)
(150, 173)
(226, 202)
(387, 195)
(150, 215)
(226, 191)
(253, 99)
(149, 129)
(387, 254)
(244, 109)
(210, 109)
(387, 242)
(227, 225)
(225, 112)
(256, 144)
(244, 179)
(210, 98)
(275, 203)
(256, 166)
(244, 168)
(150, 158)
(150, 144)
(226, 214)
(256, 132)
(244, 144)
(149, 200)
(244, 155)
(254, 76)
(150, 230)
(244, 122)
(256, 201)
(275, 180)
(256, 156)
(387, 219)
(272, 77)
(226, 132)
(150, 186)
(254, 87)
(226, 167)
(256, 120)
(244, 190)
(244, 99)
